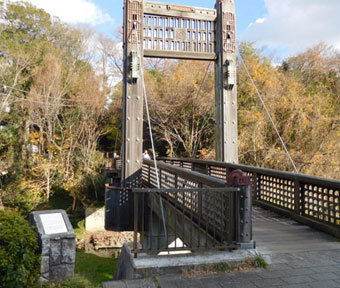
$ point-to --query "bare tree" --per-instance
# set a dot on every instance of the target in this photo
(181, 102)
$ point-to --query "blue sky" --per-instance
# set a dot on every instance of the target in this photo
(281, 28)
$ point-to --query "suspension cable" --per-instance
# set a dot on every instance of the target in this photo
(204, 78)
(150, 129)
(268, 113)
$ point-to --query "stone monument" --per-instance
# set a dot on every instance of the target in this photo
(57, 244)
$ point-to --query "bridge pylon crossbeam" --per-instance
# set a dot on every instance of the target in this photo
(153, 29)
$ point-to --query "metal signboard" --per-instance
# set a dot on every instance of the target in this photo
(53, 223)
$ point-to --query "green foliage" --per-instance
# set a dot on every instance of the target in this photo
(260, 262)
(222, 267)
(60, 199)
(81, 224)
(79, 228)
(19, 252)
(19, 195)
(155, 280)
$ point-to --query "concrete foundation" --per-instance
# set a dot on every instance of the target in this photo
(150, 266)
(95, 219)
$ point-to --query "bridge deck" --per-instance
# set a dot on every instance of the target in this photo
(277, 234)
(299, 256)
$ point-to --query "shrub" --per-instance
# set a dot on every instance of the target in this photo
(19, 251)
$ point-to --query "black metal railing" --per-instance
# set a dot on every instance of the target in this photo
(310, 200)
(200, 210)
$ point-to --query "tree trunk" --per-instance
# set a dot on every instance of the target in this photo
(2, 207)
(94, 187)
(74, 204)
(48, 184)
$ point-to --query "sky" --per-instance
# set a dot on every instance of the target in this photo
(278, 27)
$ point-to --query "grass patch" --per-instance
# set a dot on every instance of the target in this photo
(223, 267)
(260, 262)
(90, 272)
(155, 280)
(95, 269)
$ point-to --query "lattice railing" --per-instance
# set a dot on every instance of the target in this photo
(277, 190)
(321, 202)
(207, 204)
(312, 200)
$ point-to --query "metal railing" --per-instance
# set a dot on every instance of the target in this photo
(112, 163)
(202, 211)
(310, 200)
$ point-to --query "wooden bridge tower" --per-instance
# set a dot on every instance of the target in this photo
(160, 30)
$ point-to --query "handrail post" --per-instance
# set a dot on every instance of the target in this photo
(245, 214)
(242, 181)
(227, 173)
(297, 197)
(200, 200)
(254, 182)
(135, 224)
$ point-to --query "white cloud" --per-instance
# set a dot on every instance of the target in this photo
(258, 21)
(74, 11)
(261, 20)
(296, 24)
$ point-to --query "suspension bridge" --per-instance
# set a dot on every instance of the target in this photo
(180, 205)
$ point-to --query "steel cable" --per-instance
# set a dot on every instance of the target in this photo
(268, 113)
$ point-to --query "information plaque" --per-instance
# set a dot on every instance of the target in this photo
(53, 223)
(57, 244)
